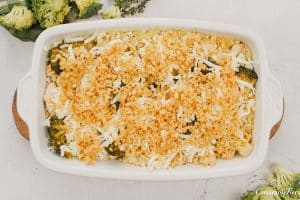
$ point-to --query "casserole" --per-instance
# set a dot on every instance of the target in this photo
(31, 108)
(151, 98)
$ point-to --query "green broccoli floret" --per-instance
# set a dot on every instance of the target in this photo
(27, 34)
(284, 185)
(248, 196)
(54, 61)
(19, 18)
(20, 22)
(57, 135)
(247, 75)
(113, 150)
(111, 13)
(130, 7)
(55, 66)
(286, 182)
(4, 9)
(88, 8)
(50, 12)
(263, 192)
(73, 14)
(267, 193)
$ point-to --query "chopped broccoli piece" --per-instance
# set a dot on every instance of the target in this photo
(50, 12)
(4, 9)
(111, 13)
(27, 34)
(281, 178)
(188, 132)
(57, 135)
(19, 18)
(130, 7)
(55, 66)
(193, 69)
(212, 61)
(20, 22)
(117, 104)
(88, 8)
(73, 14)
(122, 84)
(248, 196)
(205, 71)
(54, 61)
(175, 80)
(193, 122)
(53, 53)
(247, 75)
(285, 181)
(153, 85)
(174, 72)
(113, 150)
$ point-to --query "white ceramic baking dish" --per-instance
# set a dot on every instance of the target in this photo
(31, 108)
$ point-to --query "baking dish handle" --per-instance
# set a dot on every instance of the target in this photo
(24, 98)
(275, 103)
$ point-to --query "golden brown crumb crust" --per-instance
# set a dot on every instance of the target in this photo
(149, 85)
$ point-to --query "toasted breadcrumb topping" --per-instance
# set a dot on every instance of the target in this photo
(152, 98)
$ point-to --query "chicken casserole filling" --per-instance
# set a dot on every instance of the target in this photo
(152, 98)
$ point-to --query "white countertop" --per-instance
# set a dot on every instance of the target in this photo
(277, 21)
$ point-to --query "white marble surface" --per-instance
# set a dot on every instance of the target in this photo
(277, 21)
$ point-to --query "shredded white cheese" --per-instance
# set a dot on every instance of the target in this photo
(245, 109)
(71, 55)
(85, 81)
(242, 84)
(97, 50)
(169, 159)
(191, 151)
(71, 148)
(91, 38)
(73, 39)
(52, 96)
(63, 111)
(100, 36)
(215, 68)
(109, 135)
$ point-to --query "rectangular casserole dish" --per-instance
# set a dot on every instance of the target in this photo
(30, 104)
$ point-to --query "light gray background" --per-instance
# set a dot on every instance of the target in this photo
(277, 21)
